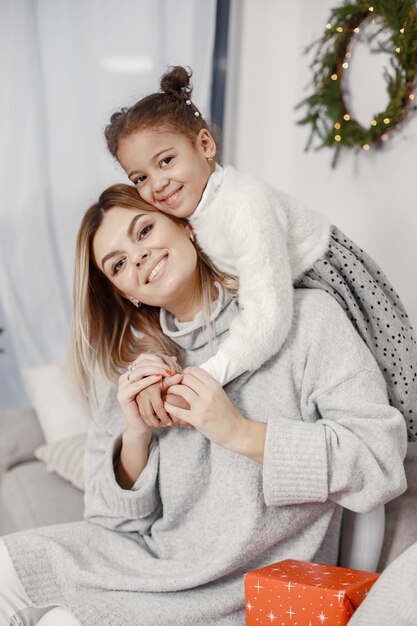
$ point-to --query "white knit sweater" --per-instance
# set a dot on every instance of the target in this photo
(267, 239)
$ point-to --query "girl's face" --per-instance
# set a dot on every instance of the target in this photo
(150, 258)
(169, 170)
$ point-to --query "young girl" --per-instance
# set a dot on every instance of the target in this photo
(263, 236)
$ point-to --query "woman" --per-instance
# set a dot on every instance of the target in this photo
(262, 474)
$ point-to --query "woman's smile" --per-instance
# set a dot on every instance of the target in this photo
(157, 270)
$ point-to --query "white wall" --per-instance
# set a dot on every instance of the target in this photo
(370, 196)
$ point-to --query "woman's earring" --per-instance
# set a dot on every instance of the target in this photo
(135, 302)
(210, 158)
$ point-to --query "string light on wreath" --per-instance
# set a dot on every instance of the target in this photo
(327, 109)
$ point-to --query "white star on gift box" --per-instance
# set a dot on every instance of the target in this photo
(339, 595)
(258, 586)
(322, 617)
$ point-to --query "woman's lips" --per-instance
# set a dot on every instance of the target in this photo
(155, 273)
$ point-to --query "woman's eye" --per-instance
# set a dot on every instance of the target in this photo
(117, 267)
(166, 160)
(144, 232)
(139, 180)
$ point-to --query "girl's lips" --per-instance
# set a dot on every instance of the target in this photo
(170, 200)
(157, 270)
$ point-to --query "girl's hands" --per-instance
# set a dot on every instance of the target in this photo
(210, 410)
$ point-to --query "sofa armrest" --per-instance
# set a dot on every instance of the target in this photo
(20, 435)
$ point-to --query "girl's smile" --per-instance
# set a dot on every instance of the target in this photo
(171, 199)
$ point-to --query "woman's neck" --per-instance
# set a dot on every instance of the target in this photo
(187, 308)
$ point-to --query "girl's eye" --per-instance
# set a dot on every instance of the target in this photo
(166, 161)
(139, 180)
(144, 232)
(117, 267)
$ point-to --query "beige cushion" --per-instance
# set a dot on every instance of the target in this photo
(65, 458)
(58, 404)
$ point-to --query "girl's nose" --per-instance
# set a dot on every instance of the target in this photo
(159, 182)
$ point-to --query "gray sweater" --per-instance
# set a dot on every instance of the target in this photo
(200, 516)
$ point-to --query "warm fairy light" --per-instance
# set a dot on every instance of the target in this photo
(356, 30)
(411, 96)
(333, 76)
(386, 120)
(398, 50)
(374, 122)
(337, 125)
(345, 65)
(371, 9)
(384, 137)
(337, 138)
(402, 31)
(348, 55)
(328, 26)
(346, 117)
(365, 146)
(339, 29)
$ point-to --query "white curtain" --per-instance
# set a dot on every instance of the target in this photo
(65, 66)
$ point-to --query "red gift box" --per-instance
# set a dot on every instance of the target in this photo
(297, 593)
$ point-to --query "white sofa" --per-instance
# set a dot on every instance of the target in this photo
(30, 496)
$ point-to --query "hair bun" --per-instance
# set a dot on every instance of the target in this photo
(177, 81)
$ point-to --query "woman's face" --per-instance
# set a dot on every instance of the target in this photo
(150, 258)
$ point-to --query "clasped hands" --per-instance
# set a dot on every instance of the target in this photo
(152, 397)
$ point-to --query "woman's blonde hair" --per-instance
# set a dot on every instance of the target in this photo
(108, 331)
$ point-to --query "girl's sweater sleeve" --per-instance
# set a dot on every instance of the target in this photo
(257, 243)
(349, 444)
(106, 503)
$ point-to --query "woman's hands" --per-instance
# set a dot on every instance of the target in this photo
(140, 375)
(145, 373)
(137, 435)
(211, 412)
(150, 398)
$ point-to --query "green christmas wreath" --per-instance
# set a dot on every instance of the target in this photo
(327, 112)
